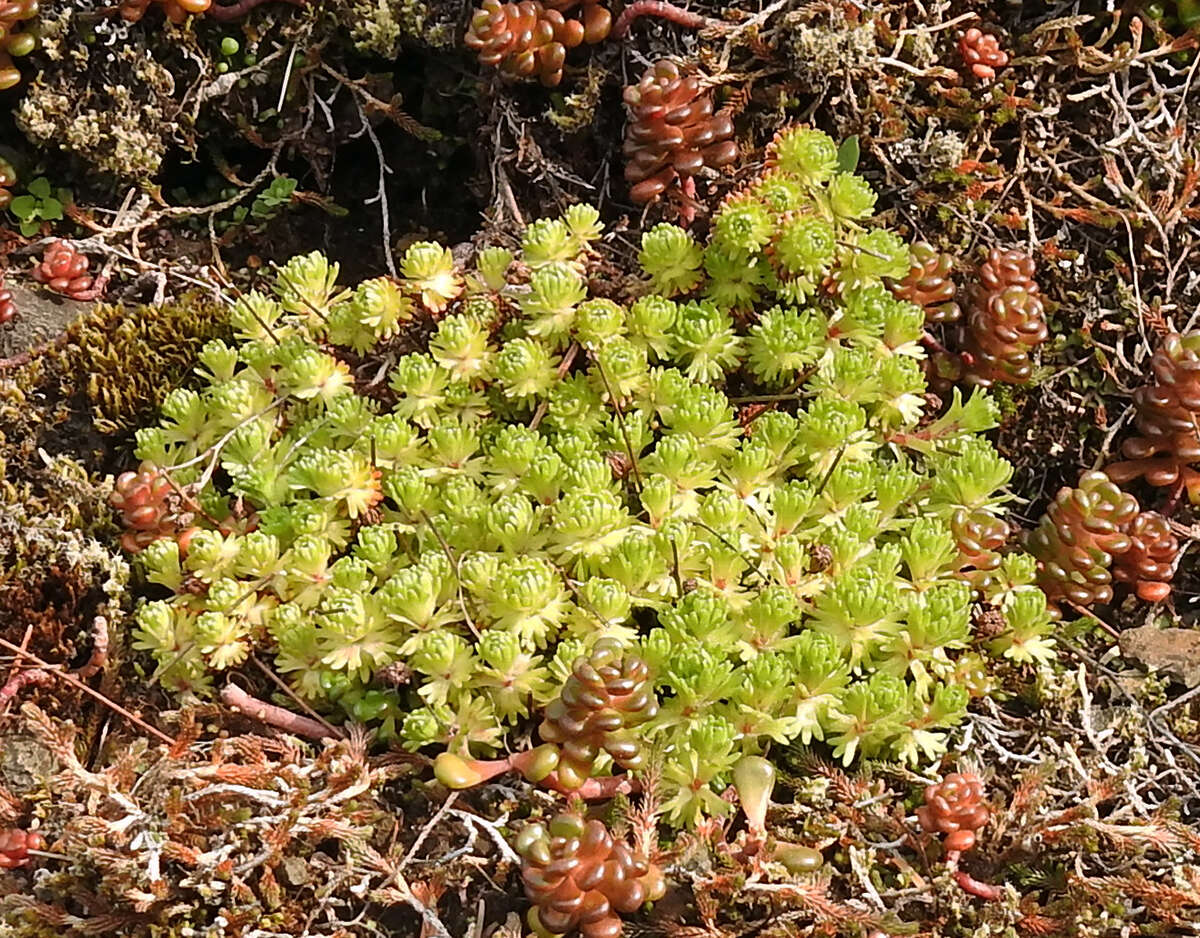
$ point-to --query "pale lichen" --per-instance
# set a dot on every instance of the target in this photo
(119, 126)
(382, 26)
(818, 52)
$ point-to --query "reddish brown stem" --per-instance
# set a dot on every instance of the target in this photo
(664, 11)
(1088, 614)
(278, 682)
(930, 342)
(974, 887)
(595, 789)
(1173, 498)
(969, 884)
(75, 682)
(15, 684)
(18, 680)
(687, 202)
(489, 769)
(28, 355)
(223, 13)
(236, 698)
(16, 666)
(99, 657)
(94, 292)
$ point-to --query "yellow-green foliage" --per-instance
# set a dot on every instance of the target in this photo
(581, 473)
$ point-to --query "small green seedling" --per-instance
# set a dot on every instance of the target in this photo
(40, 203)
(277, 196)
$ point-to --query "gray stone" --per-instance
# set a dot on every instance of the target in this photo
(41, 317)
(1173, 652)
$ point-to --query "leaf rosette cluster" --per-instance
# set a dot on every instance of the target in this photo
(554, 470)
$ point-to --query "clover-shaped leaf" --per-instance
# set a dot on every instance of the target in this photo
(40, 188)
(24, 207)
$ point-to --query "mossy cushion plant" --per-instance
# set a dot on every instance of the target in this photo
(556, 470)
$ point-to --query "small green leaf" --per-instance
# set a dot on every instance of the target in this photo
(847, 157)
(40, 187)
(51, 209)
(332, 208)
(24, 207)
(29, 228)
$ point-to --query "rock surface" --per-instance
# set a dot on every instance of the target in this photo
(1173, 652)
(41, 315)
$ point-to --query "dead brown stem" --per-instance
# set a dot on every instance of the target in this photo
(75, 682)
(236, 698)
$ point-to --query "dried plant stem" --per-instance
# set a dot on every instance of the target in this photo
(75, 682)
(236, 698)
(633, 460)
(563, 367)
(282, 685)
(1089, 614)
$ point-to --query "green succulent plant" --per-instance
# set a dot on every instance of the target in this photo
(579, 475)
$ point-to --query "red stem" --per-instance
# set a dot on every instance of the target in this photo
(236, 698)
(23, 358)
(223, 13)
(928, 340)
(969, 884)
(94, 292)
(594, 789)
(974, 887)
(687, 204)
(662, 10)
(1173, 499)
(15, 684)
(18, 680)
(99, 657)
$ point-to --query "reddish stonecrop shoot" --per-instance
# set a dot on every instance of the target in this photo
(15, 846)
(63, 269)
(145, 500)
(955, 807)
(672, 133)
(8, 305)
(982, 53)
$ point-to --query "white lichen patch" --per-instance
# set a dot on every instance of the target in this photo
(381, 26)
(119, 126)
(819, 51)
